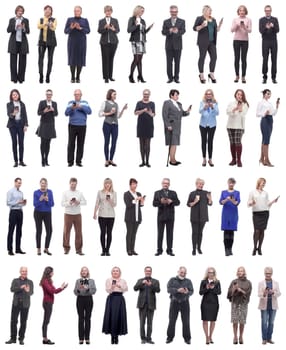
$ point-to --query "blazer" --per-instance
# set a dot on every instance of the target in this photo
(108, 33)
(84, 287)
(130, 215)
(174, 40)
(135, 30)
(12, 48)
(147, 293)
(263, 299)
(172, 116)
(203, 34)
(199, 212)
(20, 294)
(166, 212)
(11, 121)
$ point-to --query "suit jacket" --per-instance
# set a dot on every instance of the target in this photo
(147, 293)
(203, 34)
(11, 120)
(172, 116)
(199, 212)
(135, 30)
(12, 48)
(108, 33)
(263, 299)
(20, 294)
(268, 34)
(130, 214)
(166, 212)
(174, 40)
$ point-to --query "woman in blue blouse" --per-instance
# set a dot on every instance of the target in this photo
(43, 203)
(229, 199)
(208, 111)
(77, 28)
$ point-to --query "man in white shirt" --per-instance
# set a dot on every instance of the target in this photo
(72, 201)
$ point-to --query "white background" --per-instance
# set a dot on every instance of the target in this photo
(63, 327)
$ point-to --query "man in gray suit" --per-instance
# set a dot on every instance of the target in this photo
(173, 29)
(22, 288)
(147, 287)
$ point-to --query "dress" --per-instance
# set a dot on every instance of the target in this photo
(229, 216)
(77, 41)
(145, 124)
(209, 304)
(46, 128)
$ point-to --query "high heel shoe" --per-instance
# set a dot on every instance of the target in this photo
(140, 79)
(131, 79)
(202, 80)
(212, 78)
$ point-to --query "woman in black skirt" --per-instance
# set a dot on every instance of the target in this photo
(48, 110)
(145, 110)
(115, 317)
(260, 203)
(84, 290)
(209, 289)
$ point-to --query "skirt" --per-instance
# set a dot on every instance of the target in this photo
(260, 219)
(239, 313)
(115, 317)
(138, 48)
(235, 136)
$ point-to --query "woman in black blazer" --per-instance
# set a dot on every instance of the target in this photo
(207, 29)
(138, 30)
(18, 44)
(133, 201)
(17, 124)
(48, 110)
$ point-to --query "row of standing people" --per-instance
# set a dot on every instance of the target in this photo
(180, 288)
(164, 199)
(78, 109)
(173, 29)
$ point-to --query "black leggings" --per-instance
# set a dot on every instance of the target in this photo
(45, 149)
(106, 226)
(145, 149)
(48, 309)
(207, 136)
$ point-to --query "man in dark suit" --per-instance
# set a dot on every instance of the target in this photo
(18, 44)
(166, 201)
(269, 27)
(173, 29)
(147, 287)
(133, 217)
(108, 27)
(22, 288)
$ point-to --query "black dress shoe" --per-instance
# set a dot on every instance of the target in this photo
(264, 81)
(106, 80)
(46, 251)
(169, 340)
(129, 253)
(15, 165)
(142, 164)
(193, 252)
(41, 80)
(79, 164)
(77, 80)
(70, 164)
(102, 254)
(143, 341)
(177, 81)
(72, 81)
(22, 163)
(150, 341)
(21, 341)
(158, 253)
(48, 342)
(274, 81)
(47, 80)
(187, 341)
(80, 342)
(169, 81)
(10, 252)
(79, 253)
(10, 341)
(112, 163)
(200, 251)
(111, 79)
(171, 253)
(134, 253)
(107, 254)
(20, 252)
(148, 165)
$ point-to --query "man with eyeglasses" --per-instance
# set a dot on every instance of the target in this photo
(165, 200)
(77, 111)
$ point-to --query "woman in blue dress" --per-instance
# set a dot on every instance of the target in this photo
(229, 199)
(77, 28)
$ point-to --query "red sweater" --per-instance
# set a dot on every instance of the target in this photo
(49, 291)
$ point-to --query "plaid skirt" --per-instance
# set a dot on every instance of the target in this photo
(238, 313)
(138, 48)
(235, 136)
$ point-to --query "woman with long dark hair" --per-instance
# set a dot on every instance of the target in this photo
(49, 290)
(84, 290)
(115, 317)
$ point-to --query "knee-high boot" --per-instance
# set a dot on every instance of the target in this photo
(233, 154)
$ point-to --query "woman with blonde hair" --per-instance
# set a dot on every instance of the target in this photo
(115, 316)
(84, 290)
(238, 294)
(209, 111)
(259, 201)
(106, 200)
(138, 30)
(209, 289)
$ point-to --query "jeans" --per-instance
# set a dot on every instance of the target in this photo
(267, 323)
(110, 131)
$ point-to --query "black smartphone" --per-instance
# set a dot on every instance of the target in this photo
(190, 106)
(74, 104)
(113, 282)
(107, 196)
(73, 199)
(278, 100)
(45, 194)
(16, 108)
(241, 23)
